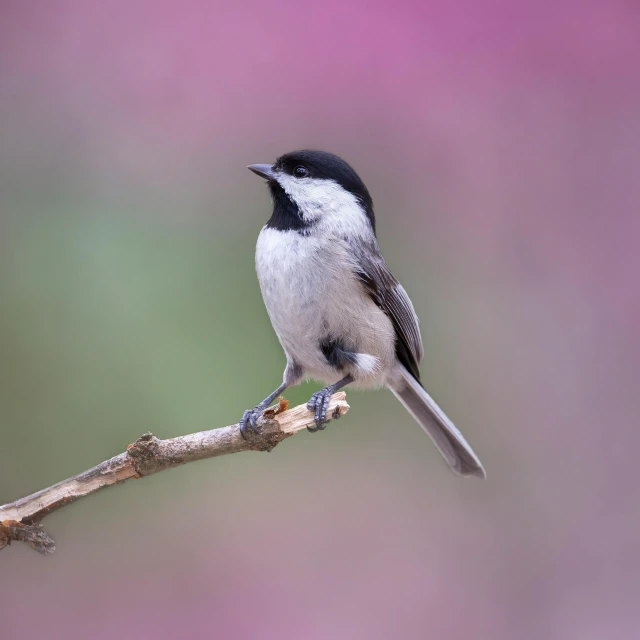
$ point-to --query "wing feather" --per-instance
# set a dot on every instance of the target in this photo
(390, 296)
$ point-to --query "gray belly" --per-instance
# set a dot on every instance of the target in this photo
(311, 295)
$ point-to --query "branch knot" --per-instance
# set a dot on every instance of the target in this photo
(266, 435)
(143, 452)
(33, 534)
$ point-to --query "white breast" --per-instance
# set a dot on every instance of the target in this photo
(311, 292)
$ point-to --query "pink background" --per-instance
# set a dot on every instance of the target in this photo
(501, 145)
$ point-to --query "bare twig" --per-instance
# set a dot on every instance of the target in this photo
(20, 520)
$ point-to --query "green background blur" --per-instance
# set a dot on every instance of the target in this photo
(500, 145)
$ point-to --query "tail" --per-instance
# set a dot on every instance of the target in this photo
(449, 441)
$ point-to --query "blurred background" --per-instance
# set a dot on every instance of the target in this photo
(501, 145)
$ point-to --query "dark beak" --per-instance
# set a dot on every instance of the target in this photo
(263, 170)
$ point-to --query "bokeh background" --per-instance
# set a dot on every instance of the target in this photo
(501, 144)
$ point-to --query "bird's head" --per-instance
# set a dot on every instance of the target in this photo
(311, 188)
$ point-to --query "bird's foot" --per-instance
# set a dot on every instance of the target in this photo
(249, 419)
(318, 404)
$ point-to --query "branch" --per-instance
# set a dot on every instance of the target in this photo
(20, 520)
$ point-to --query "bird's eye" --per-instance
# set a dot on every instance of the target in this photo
(300, 172)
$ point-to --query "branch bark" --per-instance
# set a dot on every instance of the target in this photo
(20, 520)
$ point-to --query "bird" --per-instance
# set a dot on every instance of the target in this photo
(340, 315)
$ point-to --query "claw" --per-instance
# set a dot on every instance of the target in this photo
(318, 404)
(249, 418)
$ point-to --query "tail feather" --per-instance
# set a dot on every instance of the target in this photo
(449, 441)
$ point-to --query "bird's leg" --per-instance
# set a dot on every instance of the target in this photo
(251, 415)
(320, 401)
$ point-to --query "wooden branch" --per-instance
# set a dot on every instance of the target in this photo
(20, 520)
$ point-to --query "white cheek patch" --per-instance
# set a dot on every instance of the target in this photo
(326, 202)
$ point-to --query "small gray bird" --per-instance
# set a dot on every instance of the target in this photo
(339, 313)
